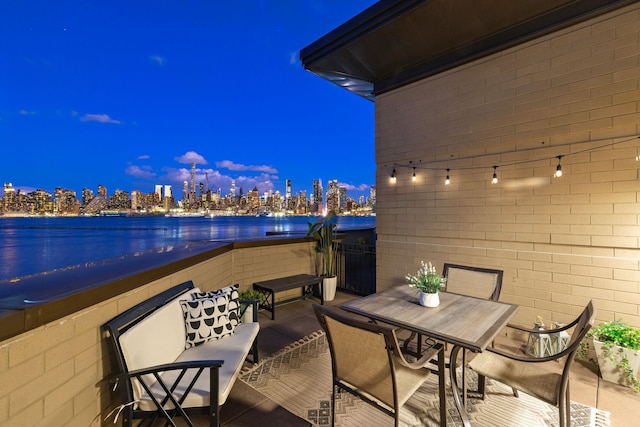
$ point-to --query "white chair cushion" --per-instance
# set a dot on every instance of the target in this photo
(158, 339)
(232, 349)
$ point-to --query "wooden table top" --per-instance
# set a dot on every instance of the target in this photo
(459, 319)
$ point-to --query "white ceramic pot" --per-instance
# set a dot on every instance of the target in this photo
(429, 300)
(247, 317)
(329, 285)
(609, 371)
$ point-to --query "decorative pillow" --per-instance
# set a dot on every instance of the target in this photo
(234, 304)
(206, 319)
(222, 291)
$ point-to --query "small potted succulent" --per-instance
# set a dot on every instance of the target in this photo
(428, 282)
(617, 349)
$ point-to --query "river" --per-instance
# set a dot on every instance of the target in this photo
(30, 245)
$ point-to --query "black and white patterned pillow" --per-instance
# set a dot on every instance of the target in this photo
(206, 319)
(234, 304)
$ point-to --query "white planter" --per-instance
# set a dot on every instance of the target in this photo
(609, 371)
(429, 300)
(247, 317)
(329, 285)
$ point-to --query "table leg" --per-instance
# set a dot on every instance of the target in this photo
(457, 398)
(442, 389)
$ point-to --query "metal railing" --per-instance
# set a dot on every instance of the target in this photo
(356, 268)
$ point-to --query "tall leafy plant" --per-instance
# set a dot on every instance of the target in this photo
(323, 231)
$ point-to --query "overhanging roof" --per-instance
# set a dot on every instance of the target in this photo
(396, 42)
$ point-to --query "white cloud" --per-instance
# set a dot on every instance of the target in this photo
(143, 172)
(191, 157)
(100, 118)
(157, 59)
(144, 157)
(228, 164)
(351, 187)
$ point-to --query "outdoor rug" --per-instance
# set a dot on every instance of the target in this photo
(298, 378)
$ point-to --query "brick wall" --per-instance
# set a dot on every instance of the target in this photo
(56, 375)
(560, 241)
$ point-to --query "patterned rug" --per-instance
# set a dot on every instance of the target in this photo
(299, 379)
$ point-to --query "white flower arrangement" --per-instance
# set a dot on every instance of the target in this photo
(427, 279)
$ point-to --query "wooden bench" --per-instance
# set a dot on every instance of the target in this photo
(268, 289)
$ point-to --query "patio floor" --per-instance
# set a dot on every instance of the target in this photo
(247, 407)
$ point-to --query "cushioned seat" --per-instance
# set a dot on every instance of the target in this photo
(524, 373)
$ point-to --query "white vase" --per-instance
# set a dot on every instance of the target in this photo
(429, 300)
(609, 371)
(329, 285)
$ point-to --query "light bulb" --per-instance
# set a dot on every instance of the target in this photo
(558, 173)
(447, 181)
(494, 180)
(393, 176)
(413, 178)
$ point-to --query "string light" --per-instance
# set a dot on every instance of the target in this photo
(558, 173)
(432, 164)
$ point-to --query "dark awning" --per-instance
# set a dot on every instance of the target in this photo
(396, 42)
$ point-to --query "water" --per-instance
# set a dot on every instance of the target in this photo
(33, 245)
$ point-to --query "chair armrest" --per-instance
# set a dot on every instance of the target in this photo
(524, 358)
(540, 331)
(197, 364)
(425, 359)
(143, 377)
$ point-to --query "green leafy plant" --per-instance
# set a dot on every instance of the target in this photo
(427, 279)
(614, 336)
(323, 231)
(249, 294)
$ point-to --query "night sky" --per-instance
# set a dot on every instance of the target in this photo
(127, 94)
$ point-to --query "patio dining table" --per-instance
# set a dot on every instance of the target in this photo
(466, 322)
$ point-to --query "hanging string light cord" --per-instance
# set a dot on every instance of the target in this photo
(434, 165)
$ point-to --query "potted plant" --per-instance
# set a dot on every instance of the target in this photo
(428, 282)
(617, 349)
(246, 298)
(323, 231)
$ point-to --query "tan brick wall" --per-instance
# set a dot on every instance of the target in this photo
(560, 241)
(55, 375)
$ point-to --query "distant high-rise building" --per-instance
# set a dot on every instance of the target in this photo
(333, 196)
(288, 189)
(87, 196)
(185, 193)
(102, 191)
(317, 196)
(9, 201)
(167, 191)
(342, 197)
(232, 192)
(192, 194)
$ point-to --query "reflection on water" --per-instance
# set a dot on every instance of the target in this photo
(32, 245)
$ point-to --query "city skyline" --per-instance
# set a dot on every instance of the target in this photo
(196, 197)
(129, 96)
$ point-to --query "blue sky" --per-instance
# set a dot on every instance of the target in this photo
(127, 94)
